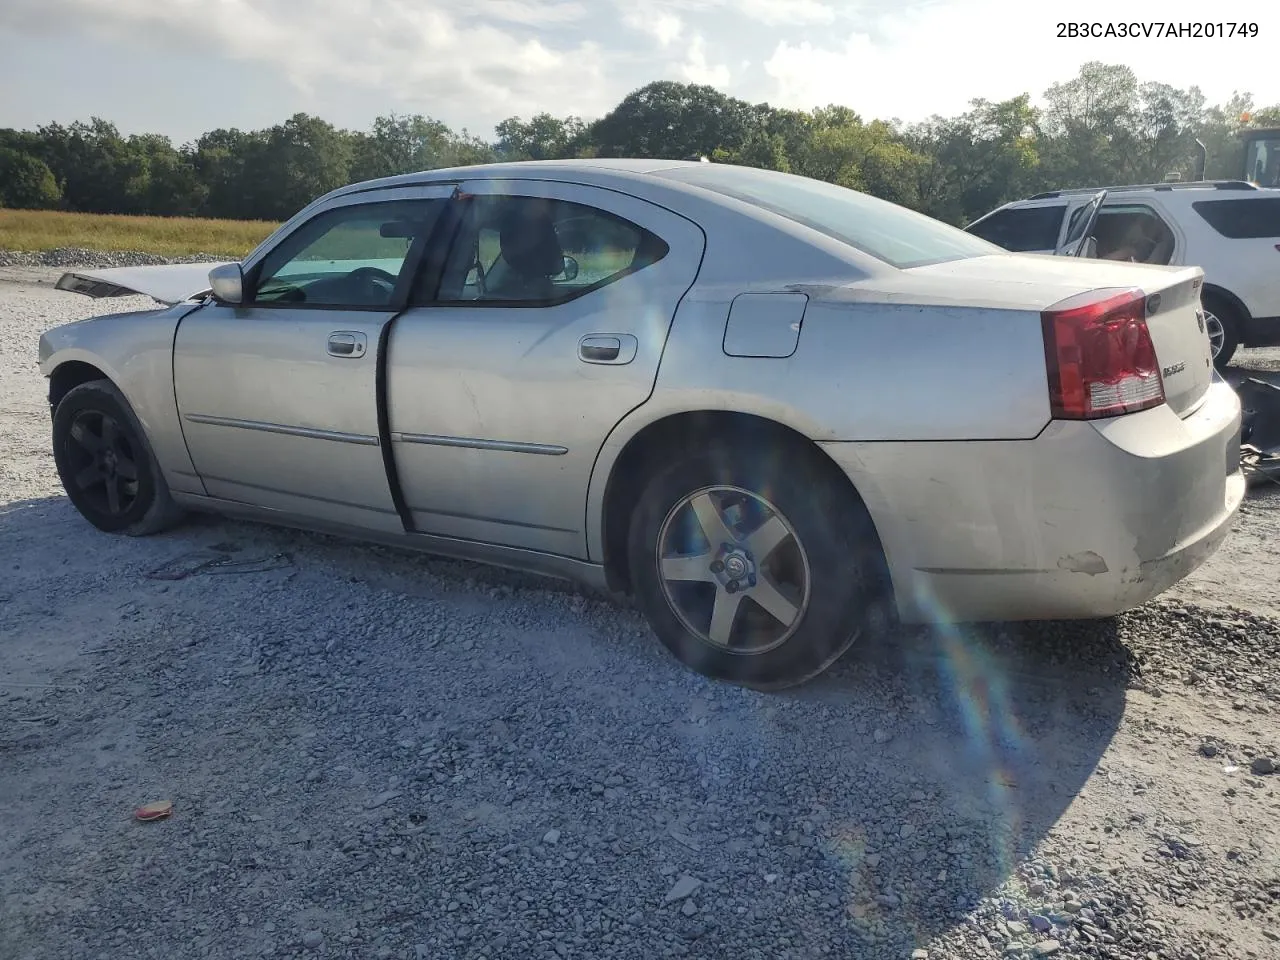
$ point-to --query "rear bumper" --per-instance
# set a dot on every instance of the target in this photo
(1086, 520)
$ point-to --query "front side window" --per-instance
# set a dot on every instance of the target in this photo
(1025, 229)
(539, 251)
(347, 257)
(900, 237)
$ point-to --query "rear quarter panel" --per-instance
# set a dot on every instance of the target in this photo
(868, 370)
(863, 371)
(134, 351)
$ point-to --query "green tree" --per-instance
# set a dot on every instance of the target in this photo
(26, 182)
(1085, 124)
(976, 161)
(406, 144)
(294, 163)
(673, 121)
(171, 187)
(220, 159)
(543, 137)
(98, 170)
(871, 157)
(1102, 126)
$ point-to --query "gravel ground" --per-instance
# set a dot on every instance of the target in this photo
(373, 755)
(79, 257)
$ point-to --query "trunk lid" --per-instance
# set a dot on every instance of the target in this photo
(1038, 281)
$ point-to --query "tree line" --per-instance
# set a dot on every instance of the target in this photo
(1104, 126)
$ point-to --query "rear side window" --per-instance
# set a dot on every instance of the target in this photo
(537, 252)
(1022, 229)
(1242, 219)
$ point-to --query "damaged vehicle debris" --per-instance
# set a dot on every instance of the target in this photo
(1260, 430)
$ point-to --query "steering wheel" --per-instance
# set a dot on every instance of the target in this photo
(374, 275)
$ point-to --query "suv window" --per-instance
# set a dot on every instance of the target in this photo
(1022, 229)
(538, 251)
(346, 257)
(1250, 219)
(1076, 214)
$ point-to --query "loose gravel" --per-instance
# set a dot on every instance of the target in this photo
(372, 754)
(91, 259)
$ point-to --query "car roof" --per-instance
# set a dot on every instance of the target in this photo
(710, 210)
(590, 170)
(1171, 187)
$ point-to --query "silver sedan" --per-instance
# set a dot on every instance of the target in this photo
(778, 412)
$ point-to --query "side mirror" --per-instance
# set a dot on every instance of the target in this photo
(227, 283)
(570, 268)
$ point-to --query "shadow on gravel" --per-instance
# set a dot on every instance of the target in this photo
(1238, 372)
(998, 727)
(863, 814)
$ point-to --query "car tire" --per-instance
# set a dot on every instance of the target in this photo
(106, 464)
(1217, 308)
(791, 535)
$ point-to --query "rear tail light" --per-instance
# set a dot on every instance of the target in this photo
(1100, 358)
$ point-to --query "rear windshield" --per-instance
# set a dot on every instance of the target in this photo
(886, 231)
(1242, 219)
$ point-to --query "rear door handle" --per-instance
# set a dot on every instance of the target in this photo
(611, 348)
(347, 343)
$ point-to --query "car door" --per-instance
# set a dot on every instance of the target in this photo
(1080, 240)
(277, 394)
(545, 328)
(1033, 228)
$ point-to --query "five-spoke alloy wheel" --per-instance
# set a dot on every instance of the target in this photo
(758, 570)
(106, 465)
(103, 463)
(733, 570)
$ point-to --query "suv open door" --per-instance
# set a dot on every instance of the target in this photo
(1080, 241)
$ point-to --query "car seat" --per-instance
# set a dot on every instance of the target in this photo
(530, 253)
(1162, 252)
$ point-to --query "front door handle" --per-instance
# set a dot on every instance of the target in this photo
(347, 343)
(612, 348)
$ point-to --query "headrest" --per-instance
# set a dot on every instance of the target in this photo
(529, 242)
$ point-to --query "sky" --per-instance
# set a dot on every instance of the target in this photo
(181, 67)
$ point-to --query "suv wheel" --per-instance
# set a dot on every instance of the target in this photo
(1222, 324)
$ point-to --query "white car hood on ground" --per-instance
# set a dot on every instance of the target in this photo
(169, 283)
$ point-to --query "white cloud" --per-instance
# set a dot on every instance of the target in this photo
(527, 11)
(409, 51)
(474, 62)
(655, 22)
(696, 69)
(935, 57)
(784, 13)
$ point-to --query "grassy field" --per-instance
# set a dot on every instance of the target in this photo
(39, 230)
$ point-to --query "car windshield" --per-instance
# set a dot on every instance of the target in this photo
(884, 230)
